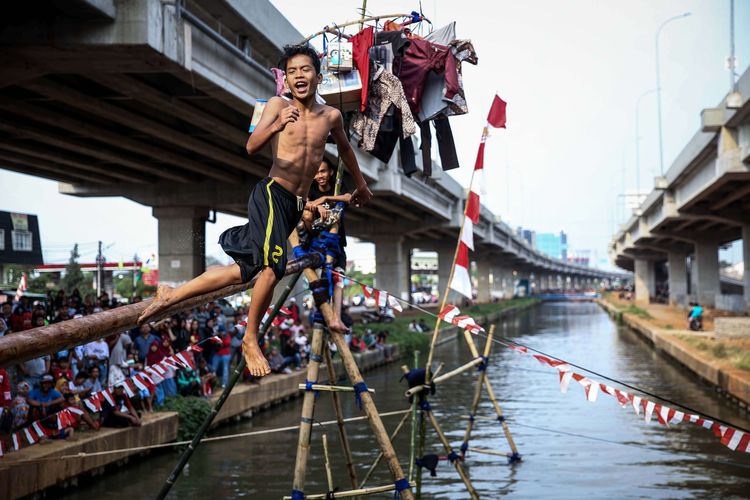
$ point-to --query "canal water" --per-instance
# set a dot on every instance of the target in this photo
(571, 448)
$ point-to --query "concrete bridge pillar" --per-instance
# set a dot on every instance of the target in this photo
(645, 283)
(182, 243)
(678, 285)
(707, 272)
(746, 260)
(484, 285)
(445, 261)
(392, 265)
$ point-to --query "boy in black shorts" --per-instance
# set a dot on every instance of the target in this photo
(297, 131)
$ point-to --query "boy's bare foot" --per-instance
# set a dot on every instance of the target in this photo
(336, 326)
(257, 364)
(160, 302)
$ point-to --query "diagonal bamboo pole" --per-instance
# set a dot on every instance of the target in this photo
(449, 450)
(329, 473)
(308, 408)
(491, 394)
(377, 460)
(413, 438)
(345, 448)
(236, 375)
(477, 392)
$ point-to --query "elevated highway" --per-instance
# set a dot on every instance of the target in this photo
(151, 100)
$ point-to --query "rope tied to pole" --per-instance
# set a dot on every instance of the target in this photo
(297, 495)
(309, 387)
(453, 456)
(359, 388)
(424, 405)
(464, 447)
(401, 485)
(501, 418)
(483, 365)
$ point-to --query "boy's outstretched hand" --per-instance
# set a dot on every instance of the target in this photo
(361, 196)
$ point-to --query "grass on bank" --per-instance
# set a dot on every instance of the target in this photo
(736, 353)
(408, 342)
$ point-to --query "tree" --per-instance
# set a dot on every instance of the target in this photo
(73, 275)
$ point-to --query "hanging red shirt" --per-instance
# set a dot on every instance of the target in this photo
(361, 43)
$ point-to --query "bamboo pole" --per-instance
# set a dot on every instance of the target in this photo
(351, 493)
(334, 29)
(345, 448)
(377, 460)
(437, 380)
(493, 399)
(308, 408)
(43, 340)
(477, 390)
(449, 450)
(413, 436)
(485, 451)
(332, 388)
(236, 375)
(420, 450)
(329, 474)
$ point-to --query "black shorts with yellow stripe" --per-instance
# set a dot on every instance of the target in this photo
(272, 213)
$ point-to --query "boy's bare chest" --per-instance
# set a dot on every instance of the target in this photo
(310, 130)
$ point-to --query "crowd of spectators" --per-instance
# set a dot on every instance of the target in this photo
(40, 387)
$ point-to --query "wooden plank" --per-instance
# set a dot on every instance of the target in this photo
(145, 125)
(36, 342)
(63, 159)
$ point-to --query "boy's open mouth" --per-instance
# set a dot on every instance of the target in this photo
(301, 86)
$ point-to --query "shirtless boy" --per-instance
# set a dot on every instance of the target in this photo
(297, 131)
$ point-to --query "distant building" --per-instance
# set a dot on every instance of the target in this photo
(526, 234)
(553, 245)
(20, 242)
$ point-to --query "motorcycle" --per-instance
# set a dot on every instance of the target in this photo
(696, 324)
(377, 316)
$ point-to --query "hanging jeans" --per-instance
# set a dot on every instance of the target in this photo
(446, 145)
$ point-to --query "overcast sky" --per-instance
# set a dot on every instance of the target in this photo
(571, 72)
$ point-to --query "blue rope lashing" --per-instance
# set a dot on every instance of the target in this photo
(483, 365)
(299, 252)
(317, 317)
(297, 495)
(514, 458)
(401, 485)
(327, 244)
(472, 417)
(415, 17)
(359, 388)
(464, 447)
(453, 456)
(425, 405)
(501, 418)
(309, 387)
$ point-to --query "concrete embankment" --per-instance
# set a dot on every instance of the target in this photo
(39, 467)
(734, 382)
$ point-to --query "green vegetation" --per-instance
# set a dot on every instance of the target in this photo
(408, 341)
(737, 355)
(637, 311)
(192, 411)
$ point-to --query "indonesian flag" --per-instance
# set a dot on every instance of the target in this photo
(38, 429)
(736, 440)
(382, 298)
(185, 358)
(93, 403)
(461, 281)
(75, 409)
(127, 385)
(16, 441)
(21, 287)
(171, 362)
(452, 314)
(29, 436)
(106, 395)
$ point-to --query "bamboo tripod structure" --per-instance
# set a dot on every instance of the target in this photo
(355, 377)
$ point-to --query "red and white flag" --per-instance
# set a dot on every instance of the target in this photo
(496, 117)
(16, 441)
(461, 281)
(93, 404)
(106, 395)
(452, 314)
(29, 436)
(382, 298)
(38, 429)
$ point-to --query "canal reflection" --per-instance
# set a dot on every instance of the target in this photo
(571, 448)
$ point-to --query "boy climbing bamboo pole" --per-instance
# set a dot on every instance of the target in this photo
(297, 131)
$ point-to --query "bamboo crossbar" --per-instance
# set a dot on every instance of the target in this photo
(442, 378)
(351, 493)
(332, 388)
(37, 342)
(377, 460)
(488, 452)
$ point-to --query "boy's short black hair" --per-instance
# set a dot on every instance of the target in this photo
(290, 51)
(329, 163)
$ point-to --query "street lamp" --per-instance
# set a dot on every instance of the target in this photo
(658, 86)
(637, 144)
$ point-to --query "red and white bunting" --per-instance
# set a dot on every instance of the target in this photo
(186, 359)
(16, 441)
(93, 403)
(21, 290)
(452, 314)
(170, 362)
(75, 409)
(127, 386)
(106, 395)
(382, 298)
(139, 382)
(29, 436)
(38, 429)
(734, 439)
